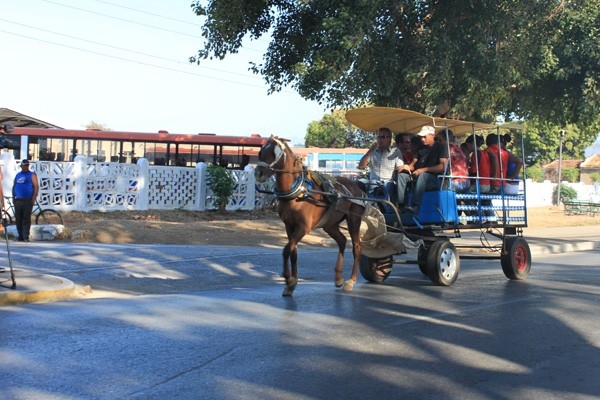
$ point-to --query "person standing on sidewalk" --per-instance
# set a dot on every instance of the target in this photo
(25, 191)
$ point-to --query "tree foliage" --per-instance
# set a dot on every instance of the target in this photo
(93, 125)
(522, 60)
(334, 131)
(470, 59)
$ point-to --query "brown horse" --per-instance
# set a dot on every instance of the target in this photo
(308, 200)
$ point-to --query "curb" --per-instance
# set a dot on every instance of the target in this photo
(537, 249)
(33, 288)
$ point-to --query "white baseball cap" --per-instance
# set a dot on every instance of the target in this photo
(426, 130)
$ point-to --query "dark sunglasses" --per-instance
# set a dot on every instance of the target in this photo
(384, 136)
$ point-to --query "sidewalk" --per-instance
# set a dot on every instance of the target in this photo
(39, 288)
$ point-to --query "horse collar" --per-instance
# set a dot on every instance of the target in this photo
(300, 187)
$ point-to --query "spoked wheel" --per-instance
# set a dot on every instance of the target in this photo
(6, 216)
(443, 263)
(375, 270)
(515, 258)
(49, 217)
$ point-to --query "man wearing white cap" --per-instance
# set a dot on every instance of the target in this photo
(431, 162)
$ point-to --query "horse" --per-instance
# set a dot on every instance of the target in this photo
(309, 200)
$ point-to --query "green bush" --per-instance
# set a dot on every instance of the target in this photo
(566, 193)
(535, 173)
(221, 183)
(570, 175)
(595, 177)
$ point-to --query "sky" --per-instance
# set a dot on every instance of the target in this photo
(124, 64)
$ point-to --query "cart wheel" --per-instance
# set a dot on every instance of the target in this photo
(422, 259)
(516, 258)
(375, 270)
(443, 264)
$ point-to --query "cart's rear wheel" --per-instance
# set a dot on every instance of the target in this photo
(443, 263)
(515, 258)
(375, 270)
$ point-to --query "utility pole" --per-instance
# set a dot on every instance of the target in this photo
(562, 135)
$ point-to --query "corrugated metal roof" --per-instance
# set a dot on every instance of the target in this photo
(19, 120)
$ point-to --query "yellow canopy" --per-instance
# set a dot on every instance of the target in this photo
(399, 120)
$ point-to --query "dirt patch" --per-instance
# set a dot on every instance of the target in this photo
(248, 228)
(179, 227)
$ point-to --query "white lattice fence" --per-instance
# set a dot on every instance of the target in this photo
(83, 185)
(56, 180)
(112, 186)
(173, 188)
(243, 191)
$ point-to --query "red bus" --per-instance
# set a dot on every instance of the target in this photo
(160, 148)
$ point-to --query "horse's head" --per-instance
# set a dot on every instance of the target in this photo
(271, 157)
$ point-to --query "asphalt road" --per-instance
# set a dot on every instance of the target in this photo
(210, 323)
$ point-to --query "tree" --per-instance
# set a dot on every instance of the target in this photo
(97, 126)
(542, 142)
(334, 131)
(469, 59)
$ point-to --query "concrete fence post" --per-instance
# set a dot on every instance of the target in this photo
(143, 185)
(201, 192)
(80, 176)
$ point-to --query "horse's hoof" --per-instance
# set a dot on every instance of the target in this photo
(287, 292)
(339, 283)
(348, 285)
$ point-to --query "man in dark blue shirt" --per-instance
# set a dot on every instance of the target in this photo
(431, 162)
(25, 191)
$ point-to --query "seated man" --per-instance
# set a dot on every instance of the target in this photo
(501, 163)
(431, 162)
(383, 160)
(458, 171)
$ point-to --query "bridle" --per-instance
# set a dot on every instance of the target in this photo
(300, 186)
(280, 153)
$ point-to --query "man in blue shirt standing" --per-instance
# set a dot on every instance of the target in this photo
(25, 191)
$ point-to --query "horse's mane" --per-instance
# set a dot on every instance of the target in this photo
(297, 160)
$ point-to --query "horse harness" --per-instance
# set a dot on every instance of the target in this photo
(303, 187)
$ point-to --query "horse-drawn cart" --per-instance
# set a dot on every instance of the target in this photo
(309, 200)
(447, 221)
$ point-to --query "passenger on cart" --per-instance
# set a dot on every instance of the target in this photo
(512, 187)
(501, 162)
(431, 162)
(383, 160)
(481, 170)
(458, 172)
(405, 145)
(479, 165)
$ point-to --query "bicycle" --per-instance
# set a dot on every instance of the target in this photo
(43, 216)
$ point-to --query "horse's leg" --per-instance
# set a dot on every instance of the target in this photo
(290, 259)
(340, 239)
(354, 221)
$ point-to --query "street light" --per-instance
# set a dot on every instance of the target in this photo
(562, 135)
